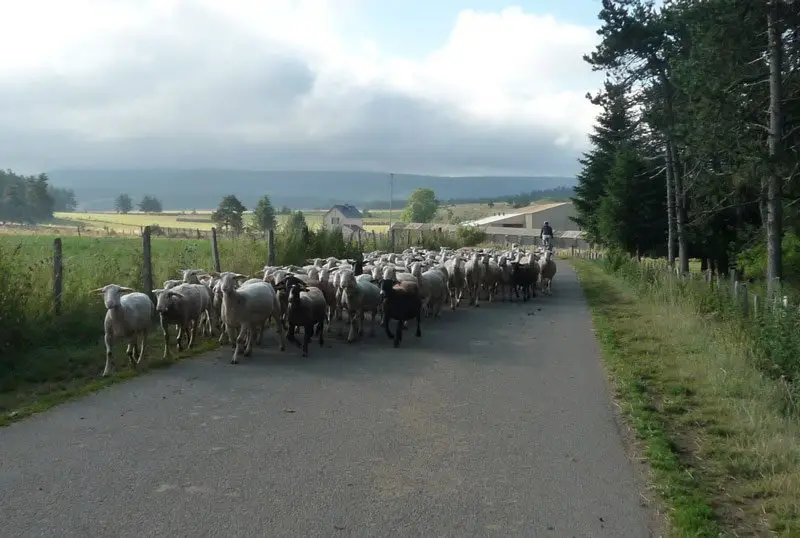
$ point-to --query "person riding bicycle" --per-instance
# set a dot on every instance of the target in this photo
(546, 234)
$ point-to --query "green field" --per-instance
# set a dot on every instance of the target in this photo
(109, 222)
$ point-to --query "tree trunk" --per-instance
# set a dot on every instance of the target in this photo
(774, 194)
(670, 211)
(681, 218)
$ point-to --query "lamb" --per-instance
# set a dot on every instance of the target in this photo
(128, 316)
(184, 306)
(547, 272)
(248, 308)
(306, 308)
(402, 302)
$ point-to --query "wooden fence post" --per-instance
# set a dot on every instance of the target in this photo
(147, 263)
(215, 250)
(270, 247)
(374, 241)
(391, 239)
(745, 299)
(58, 275)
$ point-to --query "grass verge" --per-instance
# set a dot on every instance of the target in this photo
(723, 453)
(79, 374)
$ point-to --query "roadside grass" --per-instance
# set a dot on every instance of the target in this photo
(74, 372)
(721, 439)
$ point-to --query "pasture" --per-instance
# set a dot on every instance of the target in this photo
(112, 223)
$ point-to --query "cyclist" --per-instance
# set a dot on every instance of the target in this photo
(546, 234)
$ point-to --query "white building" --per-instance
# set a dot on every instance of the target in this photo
(345, 217)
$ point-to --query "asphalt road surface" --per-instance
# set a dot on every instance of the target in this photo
(497, 422)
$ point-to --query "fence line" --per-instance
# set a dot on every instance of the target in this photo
(749, 304)
(393, 241)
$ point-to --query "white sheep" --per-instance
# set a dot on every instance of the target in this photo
(184, 306)
(547, 271)
(129, 317)
(248, 309)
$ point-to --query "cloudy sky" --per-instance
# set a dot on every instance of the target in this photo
(440, 87)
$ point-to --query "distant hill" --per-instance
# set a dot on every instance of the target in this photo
(96, 190)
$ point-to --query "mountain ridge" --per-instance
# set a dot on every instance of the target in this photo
(202, 188)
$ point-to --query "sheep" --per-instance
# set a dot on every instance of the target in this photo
(402, 302)
(523, 276)
(306, 307)
(184, 306)
(547, 272)
(127, 316)
(474, 272)
(435, 282)
(248, 308)
(456, 280)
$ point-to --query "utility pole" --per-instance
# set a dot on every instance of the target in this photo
(391, 199)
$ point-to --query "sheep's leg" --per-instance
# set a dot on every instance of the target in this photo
(223, 333)
(477, 295)
(132, 350)
(386, 326)
(165, 331)
(248, 343)
(193, 326)
(232, 336)
(360, 322)
(109, 341)
(419, 327)
(143, 336)
(353, 320)
(290, 333)
(321, 332)
(240, 339)
(372, 323)
(308, 331)
(398, 333)
(281, 336)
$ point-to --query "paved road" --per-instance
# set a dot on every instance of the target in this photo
(496, 423)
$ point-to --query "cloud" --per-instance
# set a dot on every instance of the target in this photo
(232, 83)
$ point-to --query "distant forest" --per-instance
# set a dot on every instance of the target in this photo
(558, 194)
(31, 199)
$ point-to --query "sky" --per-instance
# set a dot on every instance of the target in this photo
(445, 87)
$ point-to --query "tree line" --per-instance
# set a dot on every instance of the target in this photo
(695, 153)
(31, 199)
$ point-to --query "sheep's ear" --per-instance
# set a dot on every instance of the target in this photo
(157, 290)
(175, 294)
(239, 275)
(259, 272)
(99, 290)
(123, 289)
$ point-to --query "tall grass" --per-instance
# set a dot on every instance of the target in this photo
(770, 334)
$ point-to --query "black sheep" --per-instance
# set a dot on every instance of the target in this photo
(401, 301)
(523, 276)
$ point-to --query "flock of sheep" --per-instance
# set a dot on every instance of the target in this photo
(404, 287)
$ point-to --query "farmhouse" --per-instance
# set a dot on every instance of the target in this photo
(345, 217)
